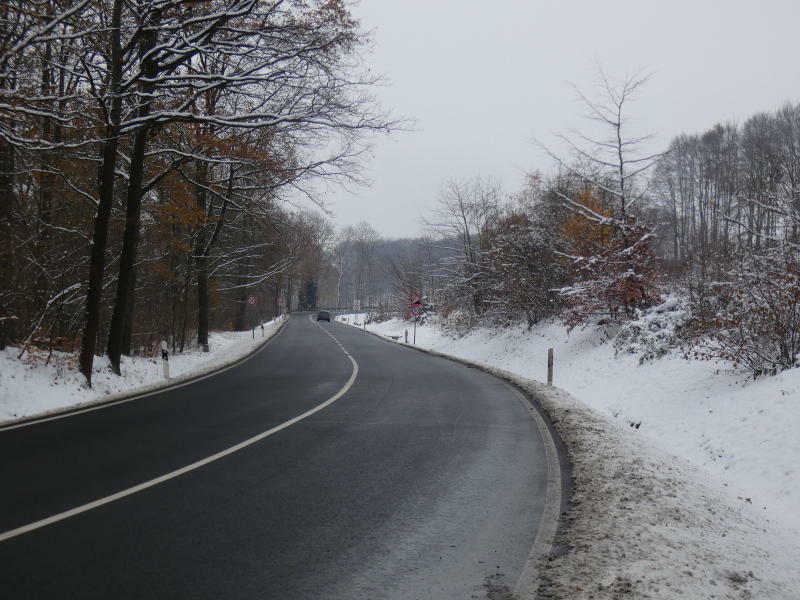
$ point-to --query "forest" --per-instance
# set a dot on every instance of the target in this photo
(152, 155)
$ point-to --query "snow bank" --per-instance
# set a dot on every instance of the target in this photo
(31, 387)
(685, 478)
(645, 524)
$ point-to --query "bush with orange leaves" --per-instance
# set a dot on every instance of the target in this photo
(615, 275)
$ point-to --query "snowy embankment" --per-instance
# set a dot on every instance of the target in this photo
(30, 387)
(700, 501)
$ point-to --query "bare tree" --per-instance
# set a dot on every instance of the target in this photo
(614, 160)
(457, 223)
(113, 114)
(342, 253)
(618, 273)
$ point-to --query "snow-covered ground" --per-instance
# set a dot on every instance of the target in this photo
(702, 500)
(31, 387)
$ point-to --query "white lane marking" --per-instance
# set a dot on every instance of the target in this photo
(333, 337)
(103, 405)
(543, 542)
(191, 467)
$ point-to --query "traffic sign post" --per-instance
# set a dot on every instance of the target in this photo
(253, 301)
(416, 308)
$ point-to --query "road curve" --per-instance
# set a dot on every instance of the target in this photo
(424, 479)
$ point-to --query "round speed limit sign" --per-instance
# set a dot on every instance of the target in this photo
(252, 300)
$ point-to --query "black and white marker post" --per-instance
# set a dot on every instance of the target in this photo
(165, 358)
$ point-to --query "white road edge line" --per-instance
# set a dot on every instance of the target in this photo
(191, 467)
(543, 542)
(107, 404)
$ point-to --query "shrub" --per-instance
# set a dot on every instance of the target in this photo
(653, 333)
(753, 319)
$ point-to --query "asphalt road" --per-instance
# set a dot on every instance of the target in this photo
(424, 479)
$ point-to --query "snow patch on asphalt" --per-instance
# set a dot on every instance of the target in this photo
(30, 387)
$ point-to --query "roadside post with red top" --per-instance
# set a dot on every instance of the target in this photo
(416, 307)
(253, 301)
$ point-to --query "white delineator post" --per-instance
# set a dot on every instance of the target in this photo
(165, 359)
(549, 366)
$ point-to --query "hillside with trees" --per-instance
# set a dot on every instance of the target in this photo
(715, 220)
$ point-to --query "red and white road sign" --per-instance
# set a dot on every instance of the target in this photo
(252, 300)
(416, 299)
(416, 310)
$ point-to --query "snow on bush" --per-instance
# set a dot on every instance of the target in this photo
(752, 318)
(459, 322)
(655, 332)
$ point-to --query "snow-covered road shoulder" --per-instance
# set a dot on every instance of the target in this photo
(643, 524)
(30, 388)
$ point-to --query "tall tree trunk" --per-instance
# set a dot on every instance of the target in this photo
(202, 302)
(185, 308)
(6, 182)
(241, 314)
(127, 260)
(240, 322)
(201, 258)
(133, 209)
(97, 258)
(8, 320)
(45, 177)
(7, 325)
(204, 249)
(127, 331)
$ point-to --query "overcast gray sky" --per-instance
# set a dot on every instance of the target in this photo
(482, 79)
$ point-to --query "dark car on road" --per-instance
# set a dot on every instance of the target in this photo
(324, 315)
